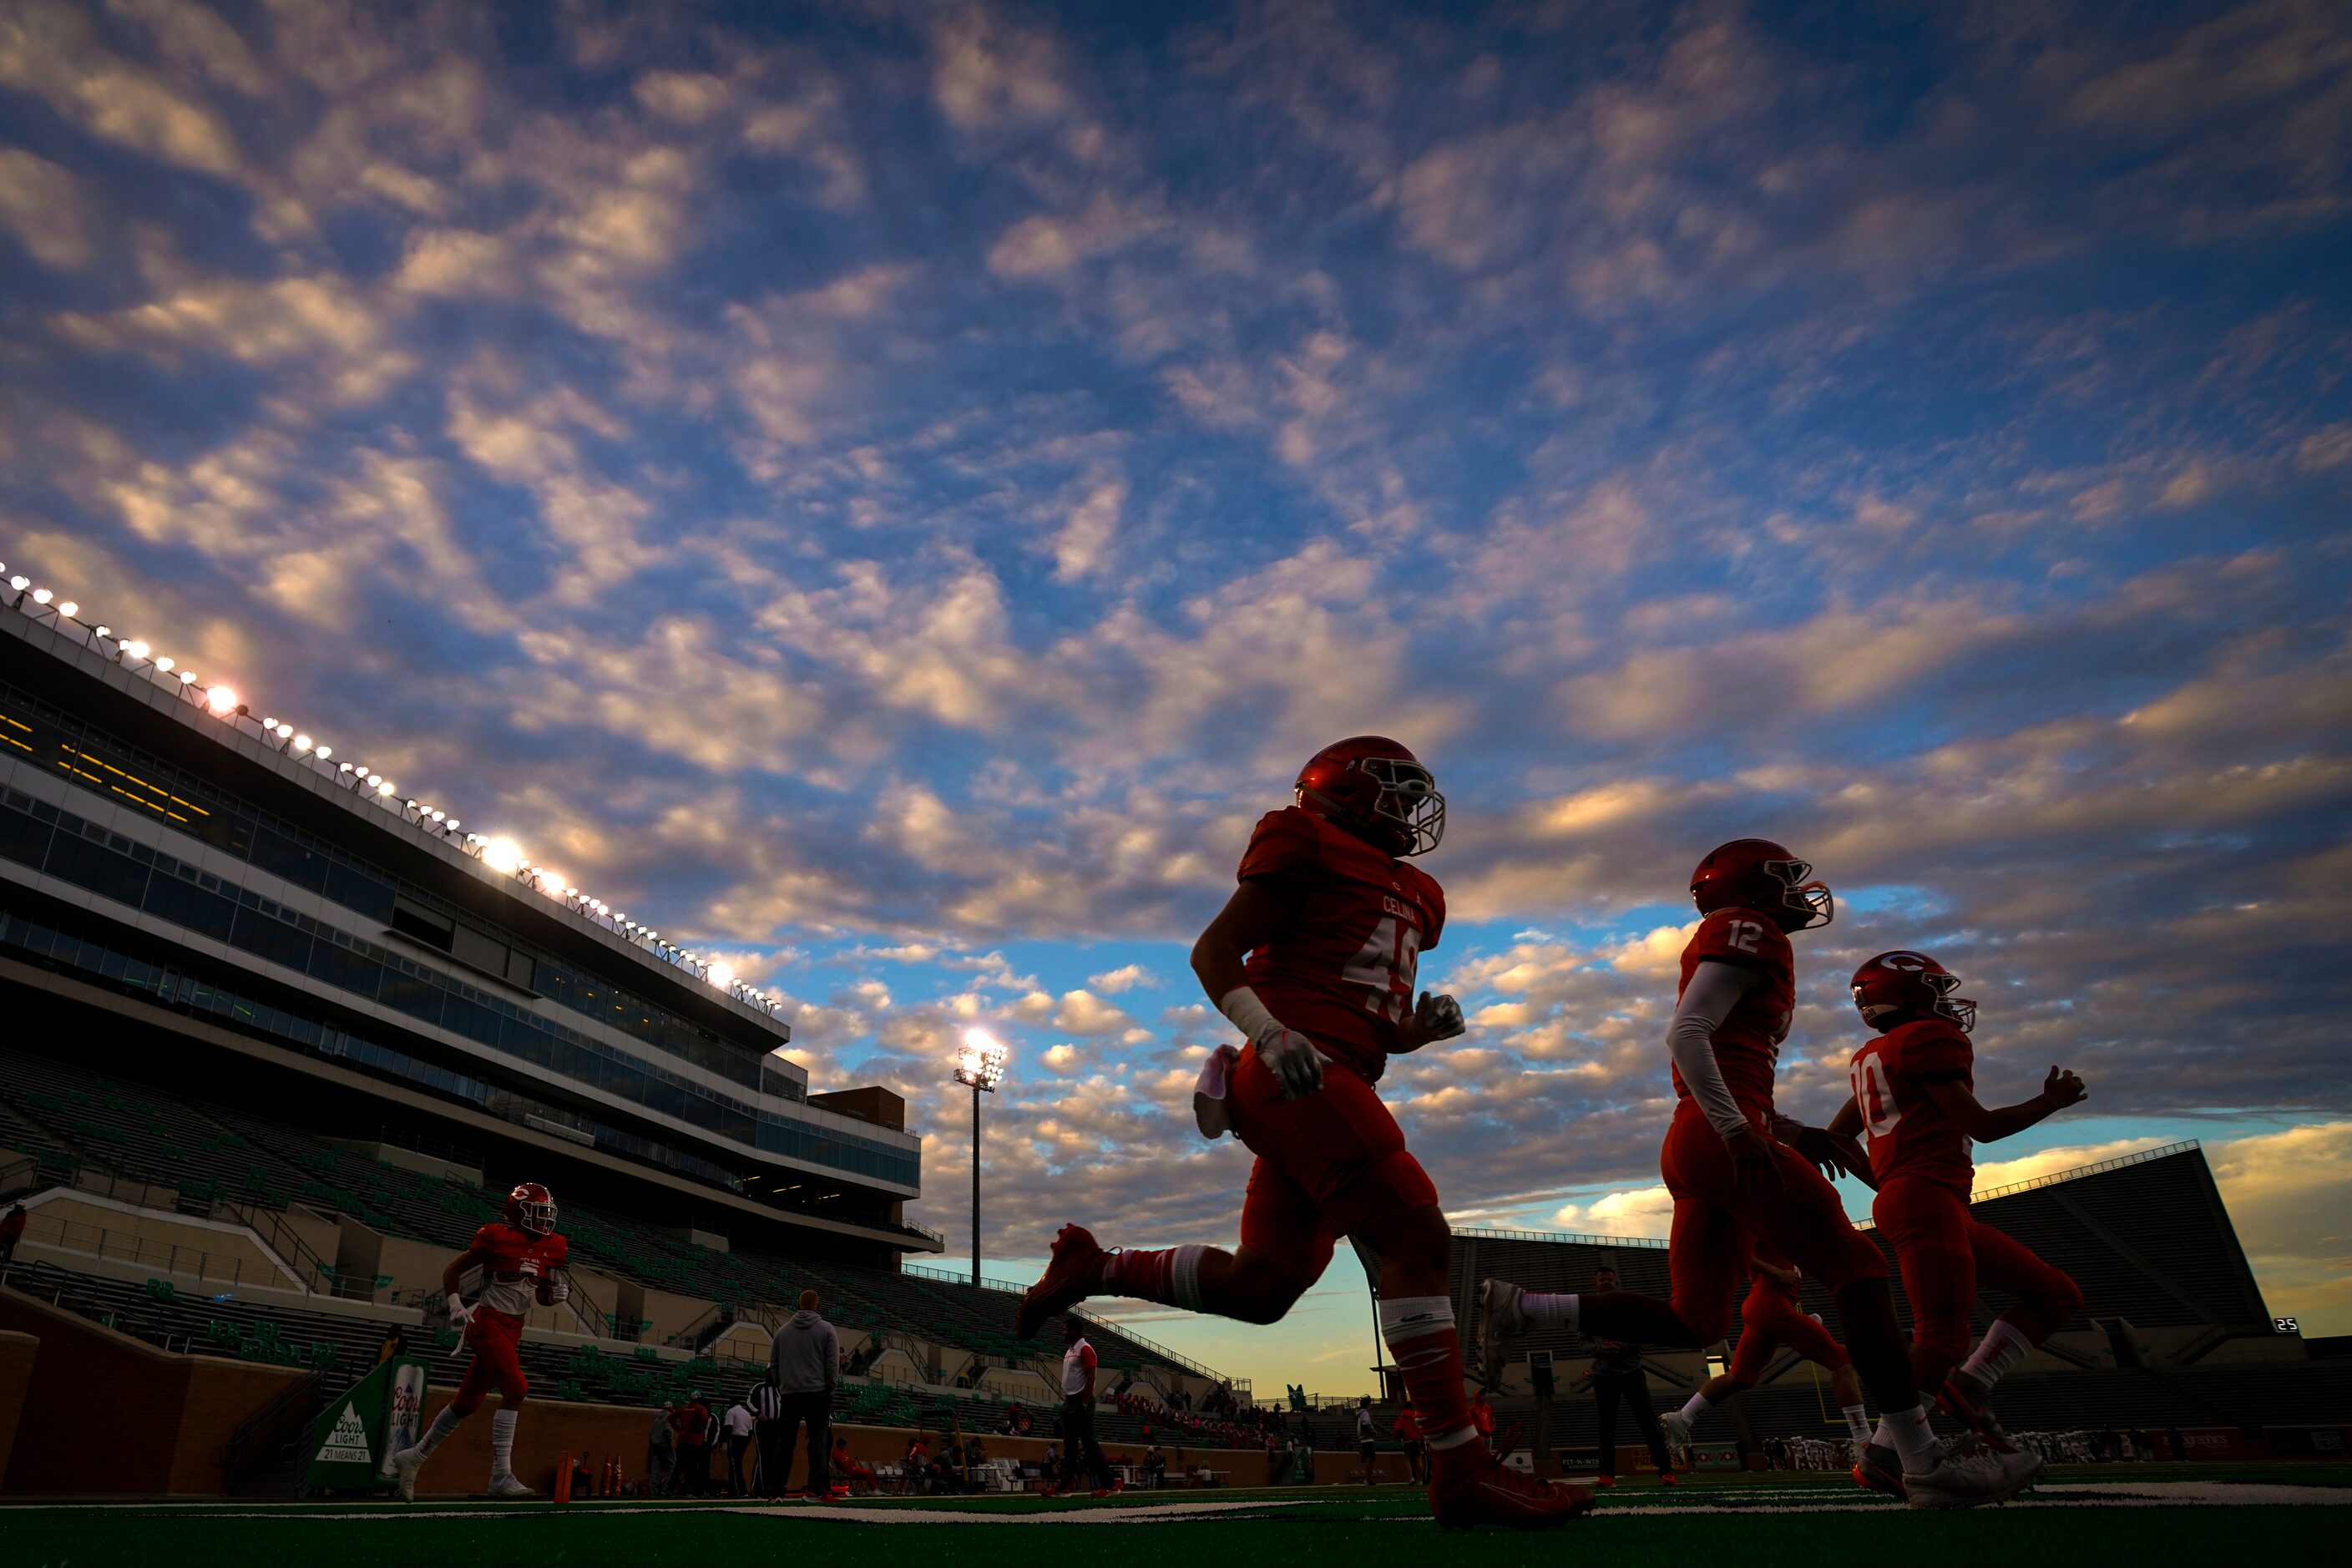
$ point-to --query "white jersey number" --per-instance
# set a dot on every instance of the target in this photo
(1875, 1096)
(1388, 963)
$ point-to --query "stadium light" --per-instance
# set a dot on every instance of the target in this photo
(979, 1064)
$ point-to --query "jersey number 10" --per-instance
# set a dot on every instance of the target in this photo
(1388, 962)
(1875, 1096)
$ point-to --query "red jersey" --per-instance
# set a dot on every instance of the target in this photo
(1748, 1045)
(515, 1263)
(1908, 1135)
(1342, 972)
(1406, 1428)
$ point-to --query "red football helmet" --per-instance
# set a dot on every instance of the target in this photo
(1757, 874)
(530, 1208)
(1377, 790)
(1902, 984)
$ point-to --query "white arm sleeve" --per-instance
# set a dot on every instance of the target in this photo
(1707, 1001)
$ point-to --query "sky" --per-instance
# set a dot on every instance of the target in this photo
(890, 493)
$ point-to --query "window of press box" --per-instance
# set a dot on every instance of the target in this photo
(419, 924)
(782, 1085)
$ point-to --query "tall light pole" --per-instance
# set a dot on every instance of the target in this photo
(982, 1065)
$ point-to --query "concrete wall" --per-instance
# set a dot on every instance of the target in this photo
(461, 1466)
(17, 1353)
(161, 1242)
(86, 1378)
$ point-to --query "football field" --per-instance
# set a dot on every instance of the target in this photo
(2089, 1514)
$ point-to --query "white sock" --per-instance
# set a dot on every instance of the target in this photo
(442, 1424)
(1999, 1352)
(1694, 1406)
(1413, 1326)
(1544, 1308)
(1857, 1423)
(502, 1425)
(1907, 1433)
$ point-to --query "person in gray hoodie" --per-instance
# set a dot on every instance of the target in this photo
(804, 1364)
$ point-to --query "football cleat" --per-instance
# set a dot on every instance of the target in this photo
(404, 1466)
(1070, 1278)
(1970, 1480)
(508, 1488)
(1500, 1315)
(1669, 1478)
(1484, 1490)
(1678, 1434)
(1879, 1469)
(1968, 1401)
(1604, 1480)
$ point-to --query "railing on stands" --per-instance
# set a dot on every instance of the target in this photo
(189, 1262)
(1498, 1233)
(1238, 1384)
(287, 1242)
(19, 1176)
(2118, 1163)
(263, 1437)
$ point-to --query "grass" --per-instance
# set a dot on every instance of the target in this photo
(1310, 1528)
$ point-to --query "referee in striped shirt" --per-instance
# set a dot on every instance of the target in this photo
(767, 1408)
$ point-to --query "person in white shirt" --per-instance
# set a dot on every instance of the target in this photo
(738, 1424)
(1079, 1448)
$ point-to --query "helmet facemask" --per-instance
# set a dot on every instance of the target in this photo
(1804, 899)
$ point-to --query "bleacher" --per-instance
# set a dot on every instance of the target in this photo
(75, 1119)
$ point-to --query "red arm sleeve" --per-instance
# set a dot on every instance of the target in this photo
(1283, 844)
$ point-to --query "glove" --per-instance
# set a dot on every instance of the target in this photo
(1288, 1055)
(558, 1290)
(1437, 1017)
(460, 1314)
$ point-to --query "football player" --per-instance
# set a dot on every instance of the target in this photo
(521, 1262)
(1915, 1096)
(1770, 1319)
(1314, 958)
(1733, 1182)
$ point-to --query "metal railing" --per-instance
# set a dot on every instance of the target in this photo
(282, 1237)
(2118, 1163)
(95, 1241)
(1496, 1233)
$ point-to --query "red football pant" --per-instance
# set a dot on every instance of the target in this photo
(1763, 1331)
(495, 1337)
(1716, 1225)
(1326, 1163)
(1946, 1253)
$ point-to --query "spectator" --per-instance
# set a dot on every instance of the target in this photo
(1408, 1432)
(1023, 1424)
(975, 1460)
(1155, 1467)
(1617, 1378)
(737, 1424)
(12, 1231)
(394, 1346)
(804, 1363)
(1366, 1442)
(1005, 1427)
(691, 1423)
(1081, 1451)
(846, 1467)
(767, 1408)
(661, 1452)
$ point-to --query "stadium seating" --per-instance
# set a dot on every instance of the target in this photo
(209, 1153)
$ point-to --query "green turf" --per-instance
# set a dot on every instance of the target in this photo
(1309, 1529)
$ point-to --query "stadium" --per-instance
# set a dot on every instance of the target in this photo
(1519, 777)
(335, 1029)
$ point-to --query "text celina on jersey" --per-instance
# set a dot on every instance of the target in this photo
(518, 1262)
(1748, 1044)
(1909, 1136)
(1342, 972)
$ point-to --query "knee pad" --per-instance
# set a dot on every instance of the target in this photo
(515, 1389)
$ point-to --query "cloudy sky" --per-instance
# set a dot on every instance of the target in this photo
(893, 491)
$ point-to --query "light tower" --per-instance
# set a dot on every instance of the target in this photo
(981, 1064)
